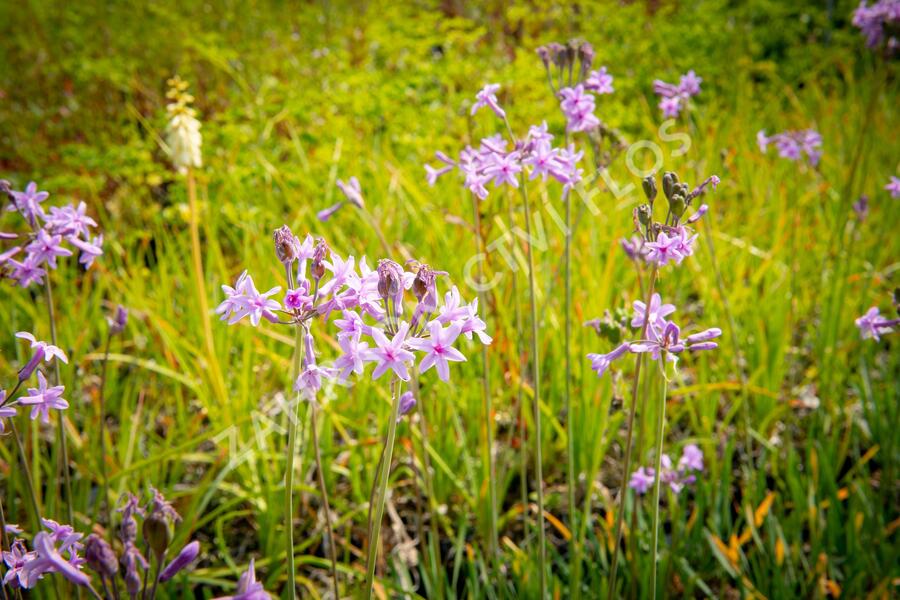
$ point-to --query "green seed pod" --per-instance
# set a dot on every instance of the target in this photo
(669, 181)
(677, 205)
(157, 534)
(644, 214)
(649, 184)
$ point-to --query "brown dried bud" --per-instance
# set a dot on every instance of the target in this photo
(287, 246)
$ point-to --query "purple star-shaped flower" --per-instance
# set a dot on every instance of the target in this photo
(43, 398)
(438, 348)
(390, 354)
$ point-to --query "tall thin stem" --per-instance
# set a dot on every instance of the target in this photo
(326, 505)
(375, 526)
(575, 589)
(488, 403)
(435, 548)
(660, 430)
(29, 482)
(200, 287)
(536, 368)
(61, 433)
(104, 498)
(620, 503)
(293, 417)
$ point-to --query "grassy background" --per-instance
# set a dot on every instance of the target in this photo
(294, 96)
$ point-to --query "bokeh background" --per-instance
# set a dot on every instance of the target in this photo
(796, 415)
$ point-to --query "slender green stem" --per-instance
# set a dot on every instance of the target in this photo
(629, 436)
(575, 589)
(332, 544)
(29, 482)
(61, 433)
(375, 526)
(159, 560)
(293, 417)
(488, 403)
(104, 498)
(435, 548)
(536, 368)
(660, 430)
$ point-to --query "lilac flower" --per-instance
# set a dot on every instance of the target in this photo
(132, 561)
(873, 21)
(665, 249)
(248, 588)
(28, 203)
(47, 351)
(691, 458)
(634, 248)
(474, 324)
(45, 248)
(244, 300)
(873, 325)
(390, 354)
(118, 321)
(674, 98)
(352, 191)
(27, 272)
(70, 220)
(49, 559)
(298, 298)
(658, 312)
(894, 187)
(600, 82)
(793, 144)
(407, 403)
(488, 97)
(438, 349)
(326, 213)
(42, 399)
(89, 250)
(600, 362)
(641, 480)
(353, 357)
(503, 169)
(99, 556)
(16, 558)
(578, 107)
(187, 555)
(309, 382)
(6, 412)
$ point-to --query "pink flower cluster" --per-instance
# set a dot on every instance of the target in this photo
(578, 103)
(51, 230)
(690, 463)
(42, 398)
(876, 19)
(497, 162)
(376, 324)
(663, 337)
(873, 325)
(793, 144)
(674, 98)
(54, 551)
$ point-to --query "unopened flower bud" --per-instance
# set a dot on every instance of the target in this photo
(407, 403)
(425, 289)
(649, 184)
(99, 556)
(390, 279)
(677, 205)
(118, 321)
(187, 555)
(287, 246)
(643, 214)
(157, 534)
(669, 180)
(317, 269)
(586, 56)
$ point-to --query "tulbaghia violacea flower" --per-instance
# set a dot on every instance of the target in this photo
(674, 98)
(578, 107)
(487, 97)
(15, 559)
(6, 412)
(248, 588)
(49, 549)
(793, 145)
(873, 325)
(27, 271)
(390, 353)
(100, 557)
(690, 463)
(244, 300)
(663, 337)
(893, 187)
(42, 351)
(118, 320)
(28, 203)
(46, 247)
(599, 82)
(877, 19)
(42, 398)
(407, 403)
(187, 555)
(438, 349)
